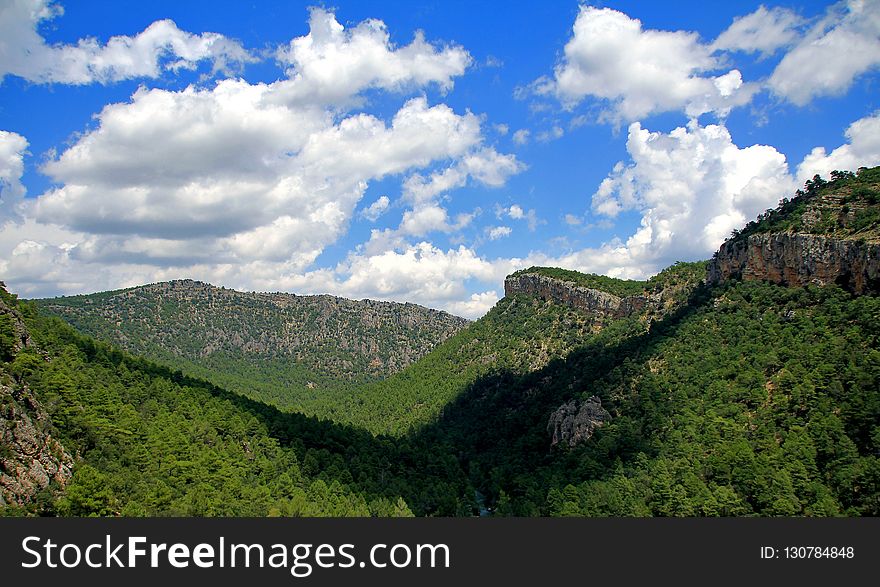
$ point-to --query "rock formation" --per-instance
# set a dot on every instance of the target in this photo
(31, 460)
(574, 422)
(795, 259)
(602, 304)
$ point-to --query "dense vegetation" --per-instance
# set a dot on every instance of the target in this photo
(844, 207)
(519, 335)
(152, 442)
(754, 399)
(302, 352)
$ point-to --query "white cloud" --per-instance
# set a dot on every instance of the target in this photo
(162, 46)
(246, 184)
(516, 212)
(475, 306)
(496, 232)
(550, 135)
(763, 31)
(331, 65)
(692, 186)
(521, 137)
(424, 219)
(861, 150)
(842, 46)
(641, 72)
(421, 273)
(376, 209)
(573, 220)
(485, 165)
(230, 164)
(501, 129)
(13, 147)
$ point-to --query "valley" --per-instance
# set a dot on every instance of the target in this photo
(745, 385)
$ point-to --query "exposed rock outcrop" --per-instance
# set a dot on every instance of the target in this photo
(30, 459)
(795, 259)
(593, 301)
(574, 422)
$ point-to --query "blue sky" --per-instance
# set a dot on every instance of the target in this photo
(411, 151)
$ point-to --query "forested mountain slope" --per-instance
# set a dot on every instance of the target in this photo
(521, 334)
(301, 352)
(147, 441)
(758, 395)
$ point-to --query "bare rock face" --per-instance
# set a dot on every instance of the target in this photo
(30, 459)
(574, 422)
(599, 303)
(795, 259)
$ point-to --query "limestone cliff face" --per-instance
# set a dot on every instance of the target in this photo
(575, 422)
(593, 301)
(795, 259)
(30, 458)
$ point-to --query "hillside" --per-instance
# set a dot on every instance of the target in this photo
(521, 334)
(302, 352)
(117, 435)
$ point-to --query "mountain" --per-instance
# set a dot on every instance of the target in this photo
(746, 385)
(544, 315)
(142, 440)
(757, 395)
(303, 352)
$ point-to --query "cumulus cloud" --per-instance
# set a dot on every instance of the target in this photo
(692, 187)
(246, 184)
(861, 150)
(331, 64)
(842, 46)
(638, 72)
(376, 209)
(421, 272)
(516, 212)
(496, 232)
(521, 137)
(475, 306)
(12, 149)
(764, 31)
(161, 47)
(223, 162)
(485, 166)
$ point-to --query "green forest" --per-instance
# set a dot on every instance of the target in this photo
(743, 398)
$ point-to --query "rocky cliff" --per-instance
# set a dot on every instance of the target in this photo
(31, 460)
(593, 301)
(795, 259)
(829, 233)
(605, 298)
(575, 422)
